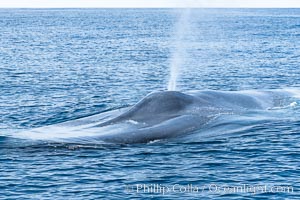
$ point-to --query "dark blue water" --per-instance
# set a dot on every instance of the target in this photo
(61, 65)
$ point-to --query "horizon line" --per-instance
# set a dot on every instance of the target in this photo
(150, 4)
(132, 7)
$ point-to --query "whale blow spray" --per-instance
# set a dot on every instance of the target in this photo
(179, 52)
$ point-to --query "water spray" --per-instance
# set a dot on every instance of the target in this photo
(179, 53)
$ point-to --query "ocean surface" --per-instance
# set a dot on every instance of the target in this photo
(59, 65)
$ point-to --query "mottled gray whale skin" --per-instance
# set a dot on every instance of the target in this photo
(161, 106)
(169, 114)
(156, 107)
(160, 115)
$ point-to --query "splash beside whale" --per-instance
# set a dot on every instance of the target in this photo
(160, 115)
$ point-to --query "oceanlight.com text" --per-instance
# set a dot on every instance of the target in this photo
(208, 188)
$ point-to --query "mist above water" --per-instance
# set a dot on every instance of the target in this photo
(179, 51)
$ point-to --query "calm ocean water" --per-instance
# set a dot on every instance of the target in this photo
(58, 65)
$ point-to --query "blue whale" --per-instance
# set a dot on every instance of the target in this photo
(160, 115)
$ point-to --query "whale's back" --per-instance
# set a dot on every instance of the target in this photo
(158, 105)
(163, 115)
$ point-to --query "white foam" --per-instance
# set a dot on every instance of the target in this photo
(294, 92)
(133, 122)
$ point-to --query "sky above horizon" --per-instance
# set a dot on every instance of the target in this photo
(149, 3)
